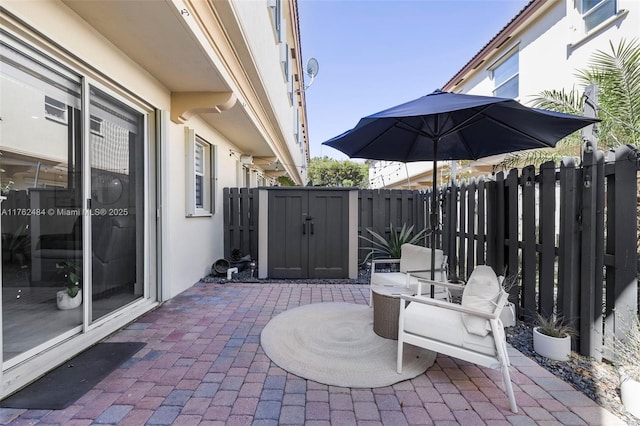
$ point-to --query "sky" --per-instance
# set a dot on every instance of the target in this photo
(375, 54)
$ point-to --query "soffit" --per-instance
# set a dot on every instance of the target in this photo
(153, 34)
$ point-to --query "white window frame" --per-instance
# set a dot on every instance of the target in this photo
(284, 60)
(55, 110)
(275, 9)
(586, 13)
(208, 175)
(507, 56)
(97, 122)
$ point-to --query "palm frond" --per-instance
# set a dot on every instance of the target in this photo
(559, 100)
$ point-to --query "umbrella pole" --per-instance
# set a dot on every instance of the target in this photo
(434, 217)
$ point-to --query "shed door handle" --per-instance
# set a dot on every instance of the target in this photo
(304, 228)
(311, 228)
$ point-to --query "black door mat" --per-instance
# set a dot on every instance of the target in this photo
(62, 386)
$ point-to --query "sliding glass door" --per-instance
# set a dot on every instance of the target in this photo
(117, 188)
(72, 164)
(41, 157)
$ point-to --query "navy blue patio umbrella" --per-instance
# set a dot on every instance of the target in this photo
(453, 126)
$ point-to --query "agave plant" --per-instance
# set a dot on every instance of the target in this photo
(553, 326)
(391, 248)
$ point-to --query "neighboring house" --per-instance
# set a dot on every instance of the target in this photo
(539, 49)
(121, 123)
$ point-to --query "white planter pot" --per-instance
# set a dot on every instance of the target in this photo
(630, 394)
(555, 348)
(508, 315)
(66, 302)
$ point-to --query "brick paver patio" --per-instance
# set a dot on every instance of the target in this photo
(203, 365)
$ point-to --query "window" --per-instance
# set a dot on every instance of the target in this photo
(55, 110)
(200, 176)
(505, 77)
(275, 7)
(595, 12)
(284, 60)
(95, 126)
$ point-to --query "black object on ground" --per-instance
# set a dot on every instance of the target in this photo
(62, 386)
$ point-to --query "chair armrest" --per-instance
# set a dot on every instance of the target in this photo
(376, 261)
(440, 283)
(446, 285)
(447, 305)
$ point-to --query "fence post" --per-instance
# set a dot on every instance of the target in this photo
(591, 258)
(622, 218)
(569, 244)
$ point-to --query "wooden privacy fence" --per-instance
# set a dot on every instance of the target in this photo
(570, 232)
(240, 221)
(378, 210)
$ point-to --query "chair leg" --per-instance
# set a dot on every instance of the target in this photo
(509, 387)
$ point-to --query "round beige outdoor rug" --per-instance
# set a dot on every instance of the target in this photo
(334, 344)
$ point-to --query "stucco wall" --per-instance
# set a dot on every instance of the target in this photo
(255, 19)
(191, 244)
(194, 243)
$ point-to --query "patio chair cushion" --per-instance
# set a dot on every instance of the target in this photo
(480, 293)
(418, 258)
(446, 326)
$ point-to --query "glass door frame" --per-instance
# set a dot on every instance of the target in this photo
(87, 272)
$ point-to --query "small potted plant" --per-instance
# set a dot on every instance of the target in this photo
(551, 338)
(627, 360)
(71, 296)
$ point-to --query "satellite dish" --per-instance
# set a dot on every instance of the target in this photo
(312, 67)
(312, 70)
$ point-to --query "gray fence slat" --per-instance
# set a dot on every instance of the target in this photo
(481, 225)
(622, 219)
(471, 229)
(512, 214)
(529, 258)
(546, 236)
(462, 230)
(569, 244)
(498, 223)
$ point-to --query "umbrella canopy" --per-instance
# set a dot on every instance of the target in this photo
(453, 126)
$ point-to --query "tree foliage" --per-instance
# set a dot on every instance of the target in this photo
(616, 71)
(325, 171)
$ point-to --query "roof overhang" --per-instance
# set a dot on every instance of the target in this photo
(156, 35)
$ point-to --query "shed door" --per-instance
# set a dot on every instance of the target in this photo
(308, 234)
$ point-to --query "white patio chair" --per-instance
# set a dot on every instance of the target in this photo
(471, 331)
(414, 263)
